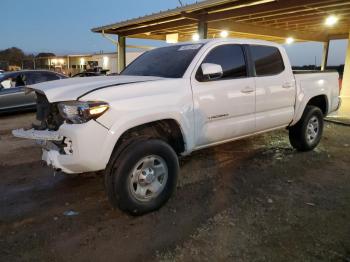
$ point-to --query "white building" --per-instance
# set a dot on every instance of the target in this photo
(73, 64)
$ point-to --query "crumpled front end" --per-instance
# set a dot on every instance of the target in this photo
(71, 148)
(80, 149)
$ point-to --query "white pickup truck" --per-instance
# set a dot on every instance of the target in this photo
(171, 101)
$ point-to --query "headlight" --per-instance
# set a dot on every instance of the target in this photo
(78, 112)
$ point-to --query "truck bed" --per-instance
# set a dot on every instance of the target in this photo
(313, 71)
(324, 82)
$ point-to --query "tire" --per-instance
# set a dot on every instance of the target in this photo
(301, 135)
(142, 177)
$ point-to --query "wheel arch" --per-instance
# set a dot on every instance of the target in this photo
(168, 129)
(320, 100)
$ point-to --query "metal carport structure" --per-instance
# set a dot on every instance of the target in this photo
(274, 20)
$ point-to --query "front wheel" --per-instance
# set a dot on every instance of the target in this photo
(143, 177)
(307, 133)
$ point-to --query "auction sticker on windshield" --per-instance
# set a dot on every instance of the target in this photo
(189, 47)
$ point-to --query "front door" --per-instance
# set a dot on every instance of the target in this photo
(12, 93)
(225, 107)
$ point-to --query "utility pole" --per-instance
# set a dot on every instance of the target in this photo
(315, 63)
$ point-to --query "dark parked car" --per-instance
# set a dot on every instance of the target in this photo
(88, 73)
(12, 96)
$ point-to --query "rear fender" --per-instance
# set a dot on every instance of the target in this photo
(302, 101)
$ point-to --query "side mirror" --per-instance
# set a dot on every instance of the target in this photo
(211, 71)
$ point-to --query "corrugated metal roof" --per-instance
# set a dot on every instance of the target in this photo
(264, 19)
(176, 11)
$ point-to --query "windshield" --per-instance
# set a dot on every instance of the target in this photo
(171, 61)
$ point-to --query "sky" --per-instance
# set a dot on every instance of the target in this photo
(63, 27)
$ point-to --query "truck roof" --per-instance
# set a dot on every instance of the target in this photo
(231, 40)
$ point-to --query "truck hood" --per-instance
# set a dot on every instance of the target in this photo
(74, 88)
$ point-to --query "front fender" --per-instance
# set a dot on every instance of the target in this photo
(124, 124)
(141, 103)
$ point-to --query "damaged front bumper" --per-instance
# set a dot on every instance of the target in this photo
(73, 148)
(37, 134)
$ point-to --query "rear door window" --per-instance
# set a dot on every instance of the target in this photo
(30, 78)
(267, 60)
(38, 77)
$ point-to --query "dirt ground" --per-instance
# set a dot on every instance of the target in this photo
(251, 200)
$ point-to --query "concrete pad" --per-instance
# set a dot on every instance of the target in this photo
(343, 114)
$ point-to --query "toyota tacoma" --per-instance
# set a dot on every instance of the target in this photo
(169, 102)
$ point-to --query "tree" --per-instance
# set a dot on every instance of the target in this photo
(13, 56)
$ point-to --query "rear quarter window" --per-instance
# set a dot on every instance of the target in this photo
(267, 60)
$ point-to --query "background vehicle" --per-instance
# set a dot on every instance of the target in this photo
(2, 71)
(171, 101)
(91, 73)
(12, 95)
(87, 74)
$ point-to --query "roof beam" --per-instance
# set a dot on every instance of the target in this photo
(163, 26)
(152, 23)
(338, 36)
(297, 15)
(314, 23)
(268, 7)
(237, 4)
(301, 21)
(184, 15)
(235, 27)
(194, 17)
(329, 8)
(268, 31)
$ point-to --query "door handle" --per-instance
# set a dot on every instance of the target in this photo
(287, 85)
(247, 90)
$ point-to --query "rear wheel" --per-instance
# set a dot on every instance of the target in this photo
(143, 177)
(307, 133)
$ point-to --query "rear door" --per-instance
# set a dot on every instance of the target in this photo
(275, 87)
(225, 107)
